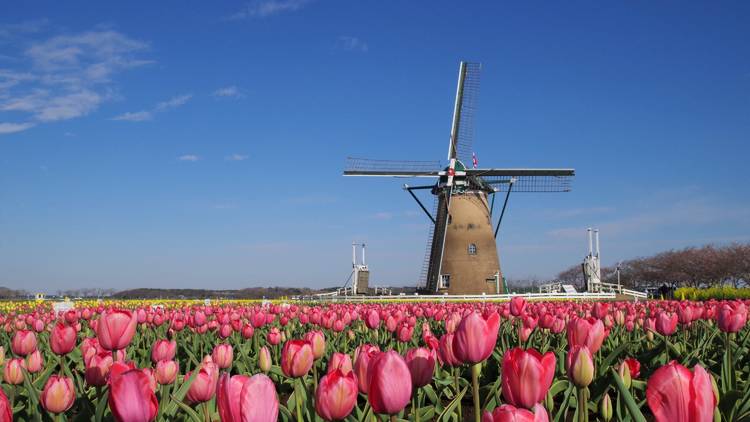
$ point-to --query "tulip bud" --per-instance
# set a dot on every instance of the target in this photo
(581, 366)
(223, 356)
(62, 339)
(340, 361)
(605, 407)
(624, 372)
(34, 362)
(318, 342)
(264, 359)
(13, 371)
(58, 394)
(23, 343)
(163, 350)
(296, 358)
(336, 395)
(166, 371)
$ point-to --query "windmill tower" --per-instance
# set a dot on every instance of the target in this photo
(461, 256)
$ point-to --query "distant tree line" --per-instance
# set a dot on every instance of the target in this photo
(702, 266)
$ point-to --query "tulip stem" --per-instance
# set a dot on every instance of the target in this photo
(730, 370)
(456, 373)
(583, 412)
(476, 369)
(414, 407)
(315, 376)
(298, 399)
(206, 412)
(394, 418)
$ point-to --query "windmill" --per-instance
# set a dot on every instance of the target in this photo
(461, 255)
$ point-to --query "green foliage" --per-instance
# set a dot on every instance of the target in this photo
(716, 292)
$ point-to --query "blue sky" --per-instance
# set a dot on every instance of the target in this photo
(195, 144)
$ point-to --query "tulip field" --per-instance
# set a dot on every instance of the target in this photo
(138, 361)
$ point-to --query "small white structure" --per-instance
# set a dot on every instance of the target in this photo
(592, 270)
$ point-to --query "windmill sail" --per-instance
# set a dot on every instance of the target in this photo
(392, 168)
(462, 129)
(525, 180)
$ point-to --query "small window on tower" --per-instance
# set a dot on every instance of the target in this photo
(472, 249)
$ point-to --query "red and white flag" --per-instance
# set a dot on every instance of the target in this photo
(474, 159)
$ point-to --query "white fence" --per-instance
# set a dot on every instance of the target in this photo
(462, 298)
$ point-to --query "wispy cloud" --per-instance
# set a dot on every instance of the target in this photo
(382, 215)
(188, 157)
(265, 8)
(144, 115)
(6, 128)
(350, 43)
(577, 212)
(228, 92)
(236, 157)
(62, 77)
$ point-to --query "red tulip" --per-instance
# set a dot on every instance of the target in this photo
(517, 305)
(131, 398)
(163, 350)
(675, 394)
(166, 371)
(6, 413)
(527, 376)
(296, 358)
(203, 387)
(666, 323)
(23, 343)
(388, 383)
(258, 400)
(373, 320)
(336, 395)
(732, 317)
(115, 329)
(362, 357)
(509, 413)
(58, 394)
(586, 332)
(223, 355)
(273, 336)
(340, 361)
(62, 339)
(634, 366)
(228, 396)
(421, 363)
(475, 337)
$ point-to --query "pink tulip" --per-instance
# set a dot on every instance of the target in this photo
(732, 317)
(258, 400)
(13, 371)
(517, 305)
(264, 359)
(6, 413)
(318, 342)
(475, 337)
(163, 350)
(97, 369)
(666, 323)
(446, 352)
(388, 383)
(115, 329)
(223, 355)
(527, 376)
(228, 396)
(675, 394)
(362, 358)
(203, 387)
(58, 394)
(509, 413)
(421, 363)
(62, 339)
(586, 332)
(296, 358)
(336, 395)
(34, 362)
(580, 365)
(340, 361)
(166, 372)
(23, 343)
(131, 398)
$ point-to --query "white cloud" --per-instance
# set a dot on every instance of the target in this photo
(63, 77)
(135, 116)
(6, 128)
(228, 92)
(349, 43)
(145, 115)
(236, 157)
(188, 157)
(265, 8)
(173, 102)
